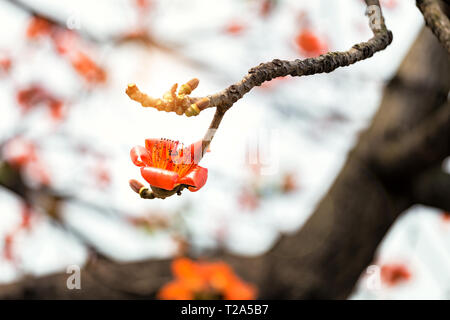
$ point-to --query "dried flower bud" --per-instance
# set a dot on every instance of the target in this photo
(179, 103)
(188, 87)
(136, 185)
(193, 110)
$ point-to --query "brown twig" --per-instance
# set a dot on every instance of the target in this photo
(323, 64)
(436, 20)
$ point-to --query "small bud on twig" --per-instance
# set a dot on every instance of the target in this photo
(195, 108)
(136, 185)
(189, 86)
(171, 101)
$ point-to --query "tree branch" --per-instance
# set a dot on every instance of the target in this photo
(52, 19)
(436, 20)
(432, 188)
(427, 144)
(323, 64)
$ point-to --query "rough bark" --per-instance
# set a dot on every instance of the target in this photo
(437, 20)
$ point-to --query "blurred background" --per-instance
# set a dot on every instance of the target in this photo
(67, 126)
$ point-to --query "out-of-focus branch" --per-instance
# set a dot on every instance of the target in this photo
(436, 20)
(427, 144)
(46, 199)
(432, 188)
(52, 19)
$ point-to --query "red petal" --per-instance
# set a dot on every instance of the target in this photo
(140, 156)
(195, 151)
(149, 143)
(195, 178)
(160, 178)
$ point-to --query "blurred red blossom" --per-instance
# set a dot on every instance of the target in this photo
(310, 44)
(394, 274)
(234, 28)
(205, 280)
(26, 213)
(68, 43)
(38, 27)
(21, 154)
(5, 63)
(87, 68)
(267, 7)
(8, 247)
(25, 224)
(35, 95)
(143, 4)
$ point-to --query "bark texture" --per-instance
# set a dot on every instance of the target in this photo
(437, 20)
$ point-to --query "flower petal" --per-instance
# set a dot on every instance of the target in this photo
(196, 178)
(195, 152)
(160, 178)
(189, 272)
(175, 290)
(239, 290)
(149, 143)
(140, 156)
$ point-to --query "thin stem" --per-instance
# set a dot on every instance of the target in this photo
(256, 76)
(323, 64)
(209, 135)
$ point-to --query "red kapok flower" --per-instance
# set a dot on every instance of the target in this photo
(87, 68)
(167, 164)
(38, 27)
(395, 273)
(267, 7)
(205, 280)
(5, 63)
(310, 44)
(19, 152)
(143, 4)
(7, 247)
(22, 154)
(35, 95)
(234, 28)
